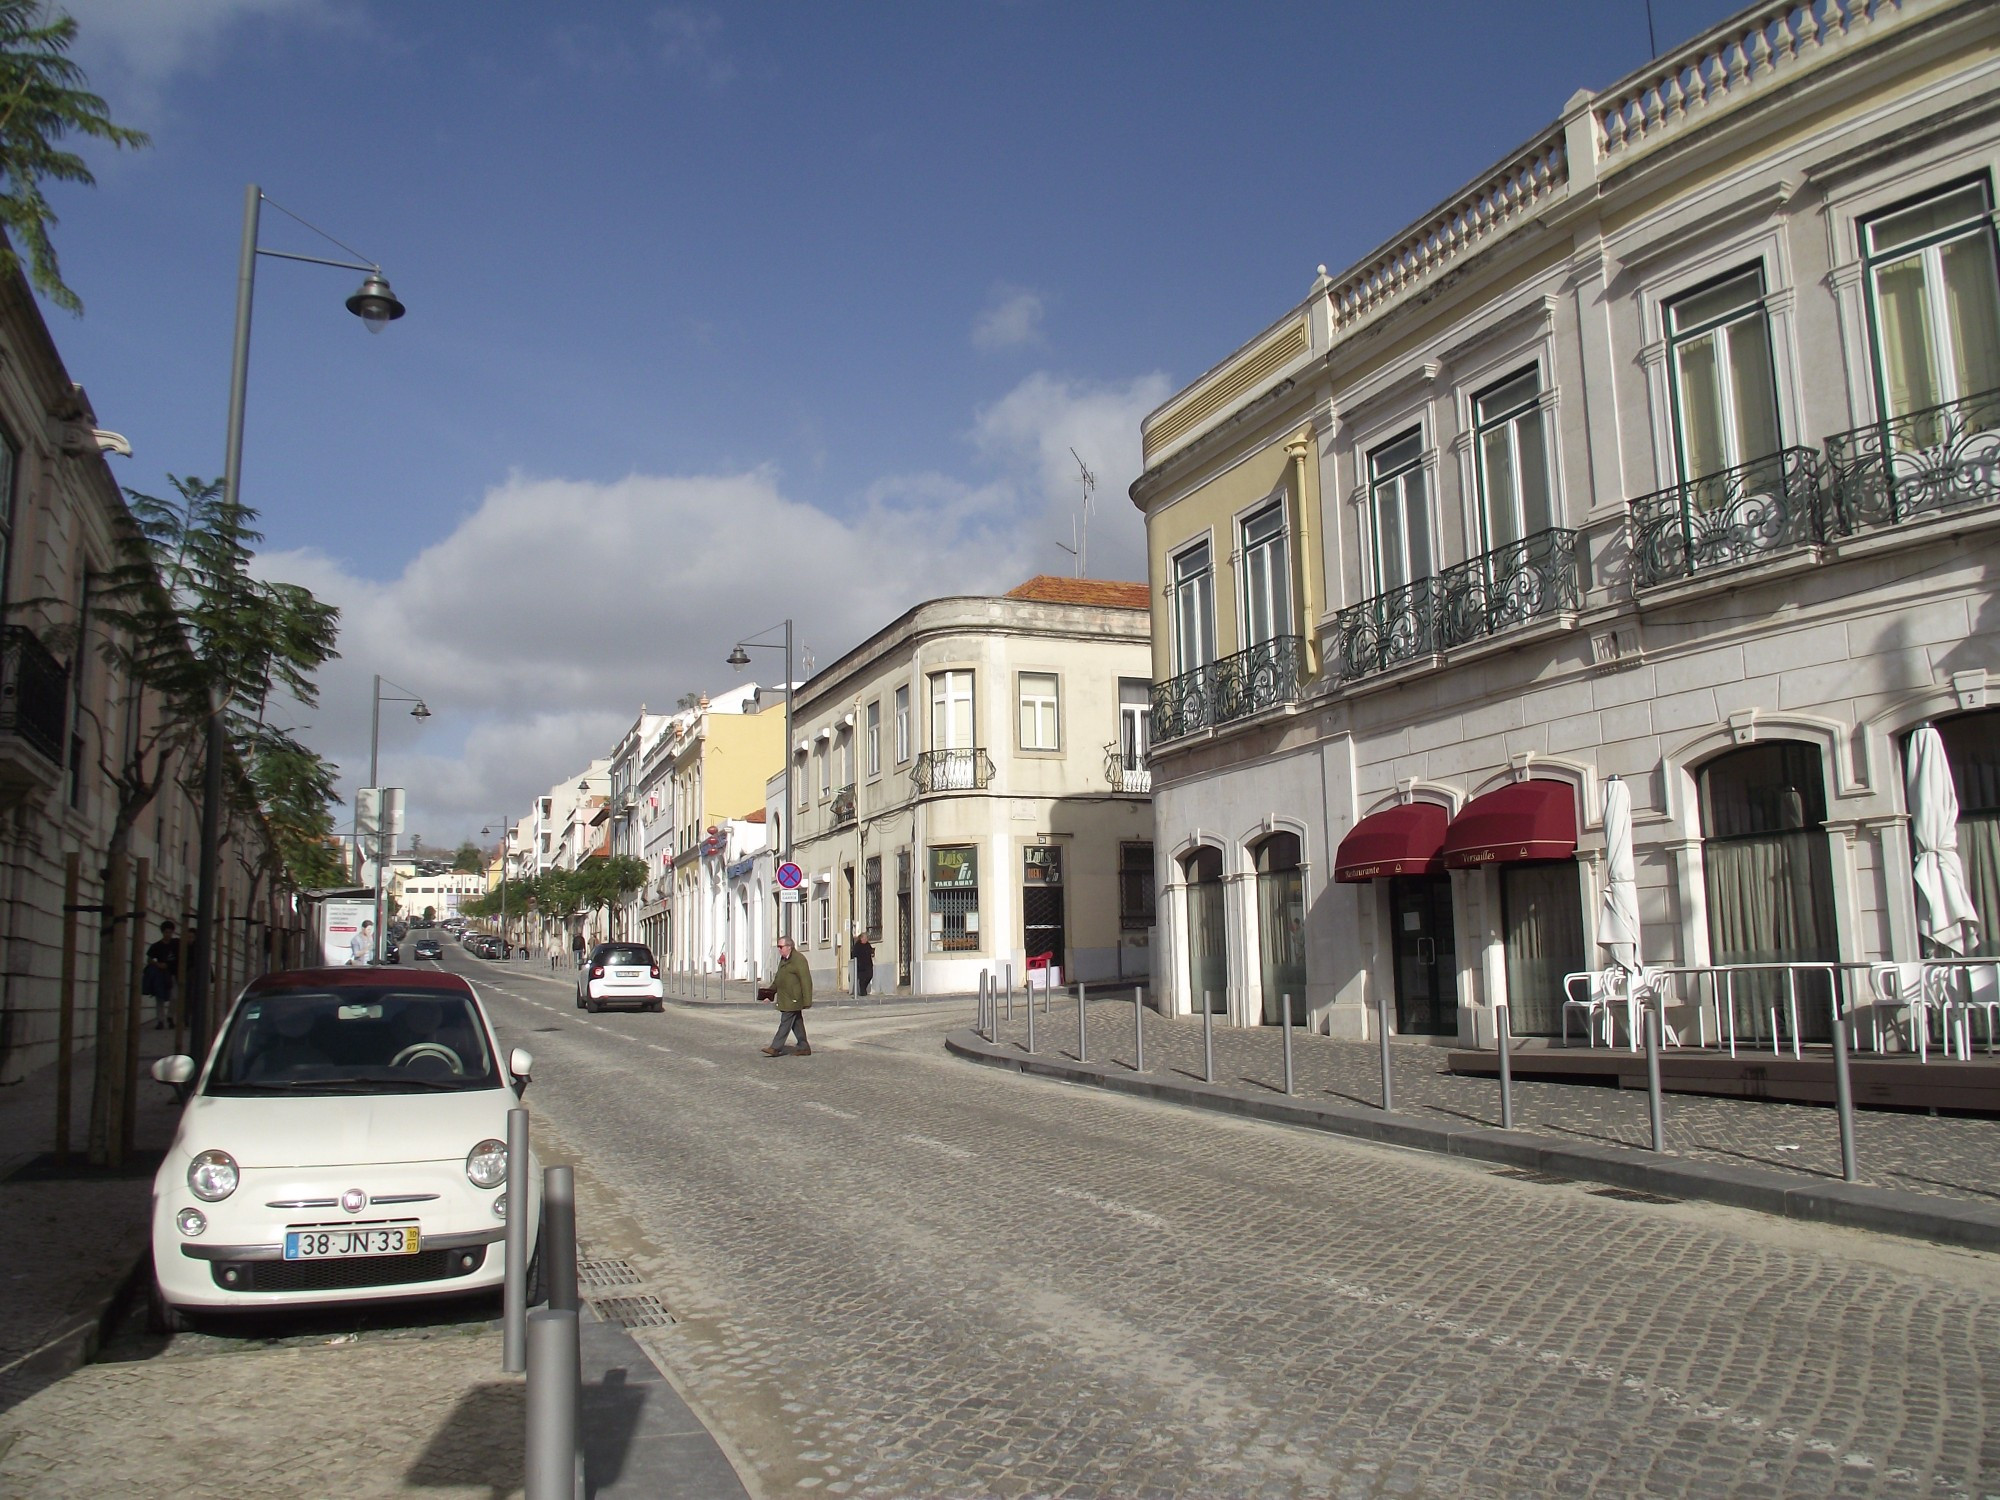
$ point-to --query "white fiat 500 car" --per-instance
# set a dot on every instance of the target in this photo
(347, 1142)
(622, 974)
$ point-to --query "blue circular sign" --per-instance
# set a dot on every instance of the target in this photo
(790, 876)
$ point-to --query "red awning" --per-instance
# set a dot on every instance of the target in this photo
(1402, 840)
(1528, 820)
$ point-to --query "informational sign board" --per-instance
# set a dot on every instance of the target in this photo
(346, 932)
(790, 876)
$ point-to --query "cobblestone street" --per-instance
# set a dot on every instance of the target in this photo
(891, 1273)
(1948, 1156)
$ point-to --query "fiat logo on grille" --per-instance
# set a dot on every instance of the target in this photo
(354, 1200)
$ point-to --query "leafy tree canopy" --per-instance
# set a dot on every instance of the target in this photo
(43, 100)
(470, 859)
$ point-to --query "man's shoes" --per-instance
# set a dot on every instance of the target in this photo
(805, 1052)
(772, 1051)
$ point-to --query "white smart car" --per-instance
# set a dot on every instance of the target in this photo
(621, 974)
(347, 1142)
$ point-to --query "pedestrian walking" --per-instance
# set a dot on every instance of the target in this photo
(791, 990)
(162, 975)
(864, 963)
(576, 947)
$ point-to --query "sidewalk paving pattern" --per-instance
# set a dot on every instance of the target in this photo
(1946, 1157)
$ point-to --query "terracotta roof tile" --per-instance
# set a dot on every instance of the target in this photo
(1049, 588)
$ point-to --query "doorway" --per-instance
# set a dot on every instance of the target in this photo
(903, 918)
(1208, 936)
(1042, 928)
(1426, 955)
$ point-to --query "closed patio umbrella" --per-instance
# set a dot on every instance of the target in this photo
(1618, 919)
(1945, 913)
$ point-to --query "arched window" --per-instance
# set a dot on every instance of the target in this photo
(1972, 745)
(1281, 927)
(1769, 876)
(1208, 934)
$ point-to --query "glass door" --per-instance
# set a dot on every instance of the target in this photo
(1281, 927)
(1426, 955)
(1208, 934)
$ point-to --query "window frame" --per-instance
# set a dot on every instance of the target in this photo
(1053, 705)
(1139, 713)
(1872, 260)
(1377, 482)
(1509, 420)
(1679, 338)
(902, 711)
(872, 718)
(946, 678)
(1203, 582)
(1280, 604)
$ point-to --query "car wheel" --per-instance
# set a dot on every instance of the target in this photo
(162, 1316)
(657, 1006)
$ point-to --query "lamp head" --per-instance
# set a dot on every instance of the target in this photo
(420, 711)
(375, 304)
(739, 658)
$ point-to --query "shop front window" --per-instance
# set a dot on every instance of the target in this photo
(1281, 927)
(954, 899)
(1208, 933)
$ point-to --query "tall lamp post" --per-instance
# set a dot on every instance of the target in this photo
(376, 306)
(739, 659)
(486, 832)
(421, 711)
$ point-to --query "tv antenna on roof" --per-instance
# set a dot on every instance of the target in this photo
(1081, 535)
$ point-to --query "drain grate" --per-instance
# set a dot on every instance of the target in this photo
(1631, 1195)
(1523, 1174)
(606, 1273)
(633, 1312)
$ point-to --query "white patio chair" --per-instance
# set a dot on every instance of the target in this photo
(1594, 992)
(1969, 992)
(1903, 997)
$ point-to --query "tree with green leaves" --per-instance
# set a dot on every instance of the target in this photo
(42, 101)
(470, 859)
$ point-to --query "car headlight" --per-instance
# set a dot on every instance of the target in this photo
(486, 1164)
(212, 1176)
(191, 1221)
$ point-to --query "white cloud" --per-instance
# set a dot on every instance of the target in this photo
(536, 629)
(1011, 320)
(130, 48)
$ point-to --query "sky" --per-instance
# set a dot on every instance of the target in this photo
(722, 315)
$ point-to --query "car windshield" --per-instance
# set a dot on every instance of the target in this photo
(623, 953)
(354, 1040)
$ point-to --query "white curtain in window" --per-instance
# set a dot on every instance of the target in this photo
(1770, 900)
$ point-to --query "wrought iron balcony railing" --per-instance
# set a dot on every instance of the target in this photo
(843, 804)
(1233, 688)
(1920, 464)
(1771, 504)
(951, 771)
(34, 692)
(1482, 596)
(1124, 777)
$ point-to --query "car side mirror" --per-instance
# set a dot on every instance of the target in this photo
(521, 1063)
(176, 1070)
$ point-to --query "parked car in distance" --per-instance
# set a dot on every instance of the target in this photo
(346, 1142)
(486, 945)
(620, 974)
(427, 947)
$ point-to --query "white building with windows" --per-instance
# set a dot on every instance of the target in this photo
(969, 788)
(1665, 451)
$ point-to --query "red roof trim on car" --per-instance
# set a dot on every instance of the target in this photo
(360, 975)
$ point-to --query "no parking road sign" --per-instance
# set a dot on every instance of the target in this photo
(790, 876)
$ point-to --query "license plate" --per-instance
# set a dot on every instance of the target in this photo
(368, 1239)
(628, 973)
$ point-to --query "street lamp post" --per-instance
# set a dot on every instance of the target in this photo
(376, 306)
(488, 829)
(739, 658)
(421, 711)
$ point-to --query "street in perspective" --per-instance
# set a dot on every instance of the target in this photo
(1387, 885)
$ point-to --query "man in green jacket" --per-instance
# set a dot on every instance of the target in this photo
(791, 989)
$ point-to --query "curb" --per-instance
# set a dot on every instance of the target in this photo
(1882, 1210)
(69, 1352)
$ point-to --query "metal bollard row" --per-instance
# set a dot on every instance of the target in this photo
(1287, 1002)
(554, 1469)
(1208, 1036)
(1503, 1031)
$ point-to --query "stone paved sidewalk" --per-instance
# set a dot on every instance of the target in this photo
(1945, 1157)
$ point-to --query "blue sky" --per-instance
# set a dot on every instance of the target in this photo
(719, 314)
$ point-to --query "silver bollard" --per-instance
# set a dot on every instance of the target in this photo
(1286, 1001)
(1843, 1093)
(1653, 1078)
(559, 1237)
(514, 1293)
(1138, 1030)
(1081, 1044)
(1007, 978)
(1031, 1020)
(1208, 1036)
(1382, 1036)
(980, 1024)
(1503, 1033)
(554, 1357)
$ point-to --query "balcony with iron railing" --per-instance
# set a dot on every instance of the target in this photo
(1533, 579)
(1916, 466)
(1265, 676)
(843, 804)
(34, 706)
(1126, 773)
(1741, 514)
(951, 771)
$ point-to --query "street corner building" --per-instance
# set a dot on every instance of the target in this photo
(969, 789)
(1667, 451)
